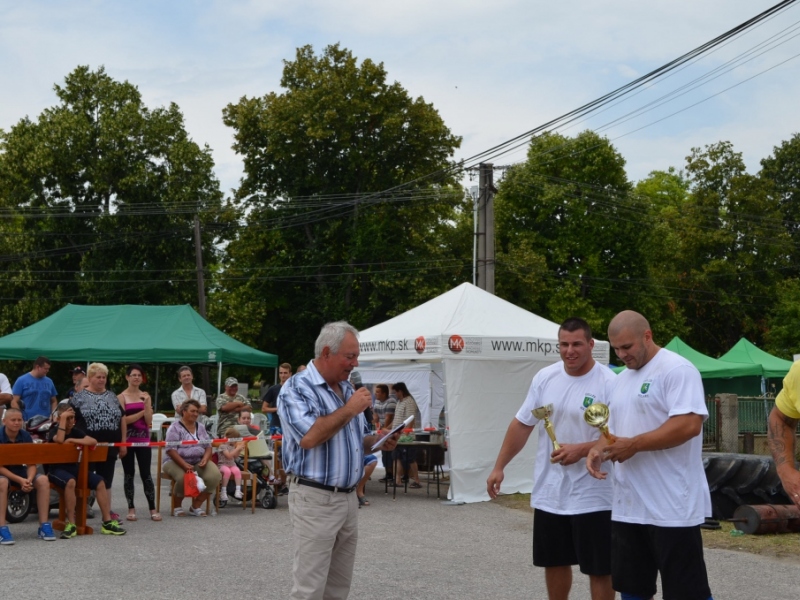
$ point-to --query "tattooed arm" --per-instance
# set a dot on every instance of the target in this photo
(782, 445)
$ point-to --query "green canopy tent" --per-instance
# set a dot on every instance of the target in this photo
(746, 352)
(720, 376)
(130, 333)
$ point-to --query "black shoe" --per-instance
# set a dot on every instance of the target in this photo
(284, 491)
(384, 480)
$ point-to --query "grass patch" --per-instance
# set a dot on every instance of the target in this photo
(775, 545)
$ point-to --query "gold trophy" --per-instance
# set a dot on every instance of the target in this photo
(543, 412)
(596, 415)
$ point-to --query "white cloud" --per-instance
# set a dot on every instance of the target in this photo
(493, 71)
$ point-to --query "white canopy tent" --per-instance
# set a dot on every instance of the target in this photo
(475, 355)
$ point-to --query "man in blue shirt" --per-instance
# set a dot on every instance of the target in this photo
(23, 476)
(36, 391)
(325, 437)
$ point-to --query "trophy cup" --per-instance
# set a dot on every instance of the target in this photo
(543, 412)
(596, 415)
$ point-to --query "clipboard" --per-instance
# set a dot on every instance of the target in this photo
(400, 427)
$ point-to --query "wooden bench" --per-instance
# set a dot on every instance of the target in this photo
(56, 454)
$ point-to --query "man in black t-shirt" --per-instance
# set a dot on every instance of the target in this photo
(270, 404)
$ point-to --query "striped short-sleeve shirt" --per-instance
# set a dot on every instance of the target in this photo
(339, 461)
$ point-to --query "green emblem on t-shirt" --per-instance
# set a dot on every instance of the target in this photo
(587, 401)
(645, 387)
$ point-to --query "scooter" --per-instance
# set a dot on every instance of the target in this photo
(21, 504)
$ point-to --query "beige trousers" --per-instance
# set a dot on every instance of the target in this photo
(325, 533)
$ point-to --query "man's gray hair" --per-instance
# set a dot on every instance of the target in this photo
(332, 335)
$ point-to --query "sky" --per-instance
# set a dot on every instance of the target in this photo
(493, 70)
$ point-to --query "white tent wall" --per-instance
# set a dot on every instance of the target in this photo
(482, 398)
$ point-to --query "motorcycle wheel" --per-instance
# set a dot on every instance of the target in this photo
(19, 506)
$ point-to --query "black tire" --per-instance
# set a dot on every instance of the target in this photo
(19, 506)
(223, 503)
(268, 501)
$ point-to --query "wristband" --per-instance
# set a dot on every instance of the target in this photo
(61, 429)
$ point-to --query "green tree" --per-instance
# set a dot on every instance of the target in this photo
(98, 197)
(728, 247)
(320, 238)
(782, 168)
(571, 237)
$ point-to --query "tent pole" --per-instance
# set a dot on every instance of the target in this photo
(156, 406)
(219, 378)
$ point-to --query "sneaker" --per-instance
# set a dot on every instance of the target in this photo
(284, 491)
(70, 531)
(6, 539)
(115, 516)
(223, 496)
(237, 494)
(89, 512)
(46, 533)
(112, 527)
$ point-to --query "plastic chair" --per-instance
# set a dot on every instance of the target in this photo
(157, 426)
(211, 427)
(261, 421)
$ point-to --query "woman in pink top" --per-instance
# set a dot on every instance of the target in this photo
(138, 417)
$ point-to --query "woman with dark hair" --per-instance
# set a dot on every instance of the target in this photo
(405, 457)
(138, 409)
(98, 412)
(195, 457)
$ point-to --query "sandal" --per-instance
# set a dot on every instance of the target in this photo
(197, 512)
(155, 516)
(362, 501)
(179, 512)
(415, 485)
(131, 517)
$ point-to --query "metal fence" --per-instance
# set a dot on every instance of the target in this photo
(753, 416)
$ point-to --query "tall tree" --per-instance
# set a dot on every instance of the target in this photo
(320, 238)
(571, 236)
(729, 249)
(99, 195)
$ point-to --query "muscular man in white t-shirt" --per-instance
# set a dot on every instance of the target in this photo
(660, 491)
(572, 517)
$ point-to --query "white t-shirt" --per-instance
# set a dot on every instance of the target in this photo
(567, 490)
(5, 386)
(668, 487)
(179, 397)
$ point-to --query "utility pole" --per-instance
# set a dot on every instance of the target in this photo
(485, 228)
(201, 294)
(198, 255)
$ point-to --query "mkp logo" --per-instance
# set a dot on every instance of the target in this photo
(645, 387)
(455, 343)
(419, 345)
(587, 401)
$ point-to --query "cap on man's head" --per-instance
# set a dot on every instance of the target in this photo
(77, 370)
(231, 381)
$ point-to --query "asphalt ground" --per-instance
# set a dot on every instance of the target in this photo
(413, 547)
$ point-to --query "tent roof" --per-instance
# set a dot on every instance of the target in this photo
(485, 325)
(748, 353)
(129, 333)
(711, 367)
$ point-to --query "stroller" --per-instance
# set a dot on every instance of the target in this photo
(259, 458)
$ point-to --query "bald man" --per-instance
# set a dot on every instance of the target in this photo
(660, 491)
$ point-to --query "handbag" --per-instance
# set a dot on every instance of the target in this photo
(190, 488)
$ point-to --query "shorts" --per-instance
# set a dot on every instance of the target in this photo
(640, 552)
(369, 459)
(19, 471)
(61, 477)
(562, 540)
(406, 455)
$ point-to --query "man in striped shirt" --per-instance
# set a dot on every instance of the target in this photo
(325, 436)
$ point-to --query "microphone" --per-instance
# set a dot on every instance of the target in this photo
(355, 379)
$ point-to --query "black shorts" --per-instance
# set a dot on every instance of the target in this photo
(61, 477)
(19, 471)
(562, 540)
(640, 552)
